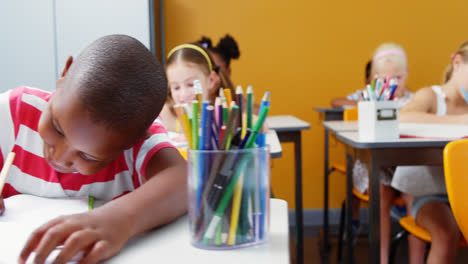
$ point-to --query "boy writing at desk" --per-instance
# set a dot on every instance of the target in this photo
(95, 136)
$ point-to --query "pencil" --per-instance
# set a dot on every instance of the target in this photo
(230, 134)
(198, 92)
(218, 112)
(90, 202)
(265, 101)
(249, 106)
(195, 108)
(5, 169)
(187, 125)
(235, 210)
(228, 94)
(183, 120)
(225, 112)
(240, 103)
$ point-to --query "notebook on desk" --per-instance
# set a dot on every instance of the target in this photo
(434, 131)
(24, 213)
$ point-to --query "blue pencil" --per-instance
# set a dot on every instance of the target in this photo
(203, 125)
(201, 146)
(265, 102)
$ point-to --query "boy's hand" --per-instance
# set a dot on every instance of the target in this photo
(2, 205)
(98, 234)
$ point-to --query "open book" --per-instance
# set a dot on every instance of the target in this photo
(24, 213)
(435, 131)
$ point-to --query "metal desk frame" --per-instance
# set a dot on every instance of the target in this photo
(293, 134)
(399, 152)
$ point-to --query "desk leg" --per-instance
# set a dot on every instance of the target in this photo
(299, 218)
(295, 137)
(349, 208)
(374, 207)
(325, 198)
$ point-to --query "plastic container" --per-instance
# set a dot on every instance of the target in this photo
(229, 194)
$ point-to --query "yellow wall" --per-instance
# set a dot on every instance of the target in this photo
(307, 52)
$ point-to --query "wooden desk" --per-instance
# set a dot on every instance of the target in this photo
(289, 130)
(398, 152)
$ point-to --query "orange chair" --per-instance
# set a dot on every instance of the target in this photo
(456, 179)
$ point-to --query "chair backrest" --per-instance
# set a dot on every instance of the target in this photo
(350, 114)
(456, 178)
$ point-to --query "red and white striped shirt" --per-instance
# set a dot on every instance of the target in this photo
(20, 111)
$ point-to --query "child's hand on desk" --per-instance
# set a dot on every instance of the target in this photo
(99, 233)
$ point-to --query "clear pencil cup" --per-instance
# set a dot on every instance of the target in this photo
(229, 195)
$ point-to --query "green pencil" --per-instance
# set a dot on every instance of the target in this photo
(90, 202)
(249, 106)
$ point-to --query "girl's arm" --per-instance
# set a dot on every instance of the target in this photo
(423, 107)
(341, 102)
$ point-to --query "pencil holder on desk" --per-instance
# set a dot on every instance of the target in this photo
(229, 195)
(378, 120)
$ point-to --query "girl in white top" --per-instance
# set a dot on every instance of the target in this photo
(444, 104)
(389, 60)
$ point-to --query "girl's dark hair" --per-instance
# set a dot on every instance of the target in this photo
(227, 48)
(368, 72)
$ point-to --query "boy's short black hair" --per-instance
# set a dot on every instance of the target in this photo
(120, 82)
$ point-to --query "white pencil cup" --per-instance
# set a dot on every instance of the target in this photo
(378, 120)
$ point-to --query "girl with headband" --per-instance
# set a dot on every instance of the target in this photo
(388, 60)
(446, 103)
(185, 64)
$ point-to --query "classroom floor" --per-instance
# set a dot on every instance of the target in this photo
(361, 251)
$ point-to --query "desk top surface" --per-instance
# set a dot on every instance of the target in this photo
(286, 123)
(274, 143)
(352, 138)
(171, 244)
(341, 126)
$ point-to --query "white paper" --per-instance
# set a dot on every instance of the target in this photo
(442, 131)
(24, 213)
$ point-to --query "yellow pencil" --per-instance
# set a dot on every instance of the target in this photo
(5, 169)
(228, 95)
(183, 119)
(236, 201)
(187, 126)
